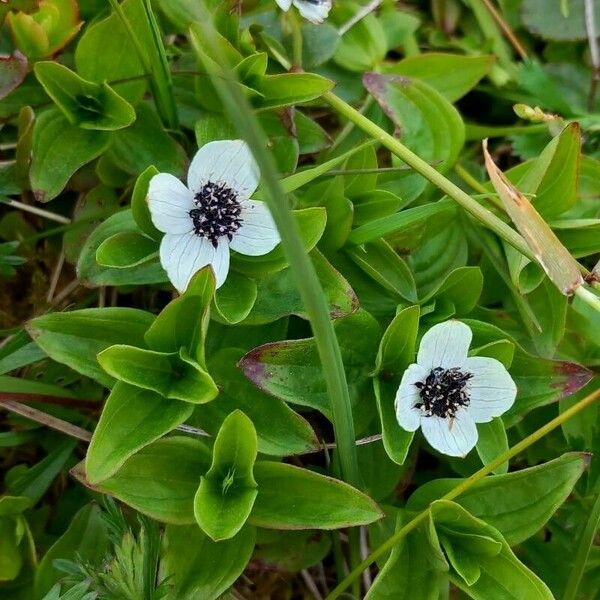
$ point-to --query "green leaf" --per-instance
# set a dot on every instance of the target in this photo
(364, 158)
(414, 569)
(106, 52)
(160, 480)
(29, 386)
(235, 299)
(184, 321)
(85, 104)
(550, 22)
(131, 419)
(385, 266)
(85, 539)
(492, 442)
(59, 150)
(364, 45)
(429, 124)
(47, 30)
(125, 250)
(11, 506)
(33, 482)
(382, 482)
(211, 126)
(400, 221)
(396, 352)
(278, 295)
(293, 498)
(518, 504)
(182, 13)
(373, 205)
(280, 430)
(462, 288)
(145, 144)
(498, 572)
(93, 208)
(291, 551)
(173, 375)
(75, 338)
(300, 179)
(201, 568)
(291, 370)
(77, 592)
(227, 493)
(553, 176)
(11, 559)
(139, 204)
(291, 88)
(452, 75)
(90, 271)
(442, 249)
(581, 237)
(19, 351)
(319, 43)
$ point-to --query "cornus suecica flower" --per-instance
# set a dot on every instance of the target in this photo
(212, 215)
(446, 392)
(315, 11)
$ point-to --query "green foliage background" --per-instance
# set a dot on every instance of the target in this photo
(194, 446)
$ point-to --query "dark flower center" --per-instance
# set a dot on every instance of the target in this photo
(443, 392)
(217, 212)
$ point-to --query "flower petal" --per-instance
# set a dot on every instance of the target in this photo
(220, 262)
(284, 4)
(453, 437)
(170, 203)
(315, 13)
(183, 255)
(257, 234)
(225, 161)
(445, 345)
(409, 417)
(492, 390)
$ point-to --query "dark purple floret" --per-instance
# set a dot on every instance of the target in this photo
(217, 212)
(443, 392)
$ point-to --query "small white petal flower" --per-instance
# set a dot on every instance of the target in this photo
(212, 214)
(315, 11)
(446, 392)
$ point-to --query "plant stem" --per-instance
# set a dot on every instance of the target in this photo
(160, 79)
(39, 211)
(590, 298)
(586, 541)
(475, 131)
(418, 164)
(161, 73)
(296, 28)
(462, 487)
(236, 104)
(476, 185)
(508, 32)
(45, 419)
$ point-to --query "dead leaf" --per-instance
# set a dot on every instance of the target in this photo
(553, 257)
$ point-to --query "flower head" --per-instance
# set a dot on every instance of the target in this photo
(446, 392)
(315, 11)
(212, 215)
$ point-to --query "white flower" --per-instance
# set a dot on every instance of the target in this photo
(315, 11)
(446, 392)
(212, 214)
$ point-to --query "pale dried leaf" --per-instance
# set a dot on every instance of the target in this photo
(553, 257)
